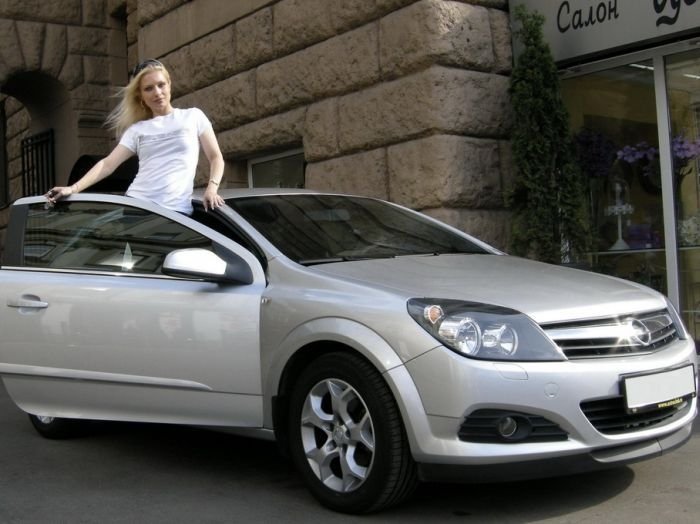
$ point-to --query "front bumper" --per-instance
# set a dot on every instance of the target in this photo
(556, 466)
(434, 408)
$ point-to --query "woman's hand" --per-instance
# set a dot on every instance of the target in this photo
(211, 198)
(58, 192)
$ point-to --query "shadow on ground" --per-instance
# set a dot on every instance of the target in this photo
(182, 452)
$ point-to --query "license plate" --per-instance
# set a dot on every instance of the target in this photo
(658, 390)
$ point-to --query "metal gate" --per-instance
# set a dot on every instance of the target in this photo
(38, 168)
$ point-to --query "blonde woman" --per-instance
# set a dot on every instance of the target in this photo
(166, 140)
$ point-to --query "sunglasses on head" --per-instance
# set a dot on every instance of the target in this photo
(143, 65)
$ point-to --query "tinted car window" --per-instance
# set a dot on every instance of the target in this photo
(222, 225)
(325, 228)
(103, 237)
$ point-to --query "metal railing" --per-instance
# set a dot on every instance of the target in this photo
(38, 165)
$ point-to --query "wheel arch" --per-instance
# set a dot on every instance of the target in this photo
(307, 343)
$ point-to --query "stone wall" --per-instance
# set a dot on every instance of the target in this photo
(74, 46)
(17, 128)
(17, 124)
(400, 99)
(76, 42)
(59, 63)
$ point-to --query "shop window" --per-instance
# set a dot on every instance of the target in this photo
(683, 91)
(280, 170)
(613, 114)
(613, 118)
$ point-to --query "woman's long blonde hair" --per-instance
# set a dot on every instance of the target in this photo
(130, 108)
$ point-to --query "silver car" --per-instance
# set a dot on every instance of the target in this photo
(378, 346)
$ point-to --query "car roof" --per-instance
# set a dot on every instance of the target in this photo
(262, 191)
(226, 194)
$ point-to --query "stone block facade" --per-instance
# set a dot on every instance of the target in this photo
(398, 99)
(390, 99)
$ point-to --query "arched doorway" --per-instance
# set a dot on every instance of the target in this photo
(51, 118)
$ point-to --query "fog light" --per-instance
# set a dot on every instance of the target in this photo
(507, 427)
(498, 426)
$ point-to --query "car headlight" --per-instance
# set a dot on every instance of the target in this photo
(484, 331)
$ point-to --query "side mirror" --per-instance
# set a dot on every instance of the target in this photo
(207, 265)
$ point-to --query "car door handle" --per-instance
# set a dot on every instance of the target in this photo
(28, 301)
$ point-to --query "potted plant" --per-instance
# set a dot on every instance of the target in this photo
(547, 198)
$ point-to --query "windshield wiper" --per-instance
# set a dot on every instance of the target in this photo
(355, 258)
(457, 252)
(347, 258)
(314, 261)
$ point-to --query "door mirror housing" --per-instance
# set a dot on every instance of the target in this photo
(206, 265)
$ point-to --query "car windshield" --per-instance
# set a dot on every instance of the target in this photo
(317, 229)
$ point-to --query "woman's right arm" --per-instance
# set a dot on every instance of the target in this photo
(100, 170)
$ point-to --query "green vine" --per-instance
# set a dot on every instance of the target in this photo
(547, 199)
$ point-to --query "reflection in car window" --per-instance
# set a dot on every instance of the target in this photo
(328, 228)
(103, 237)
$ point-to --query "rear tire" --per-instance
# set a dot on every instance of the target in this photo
(346, 436)
(56, 428)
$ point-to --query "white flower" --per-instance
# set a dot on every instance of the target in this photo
(689, 230)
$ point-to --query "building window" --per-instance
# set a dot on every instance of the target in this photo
(280, 170)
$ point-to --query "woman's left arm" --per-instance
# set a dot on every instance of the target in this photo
(212, 151)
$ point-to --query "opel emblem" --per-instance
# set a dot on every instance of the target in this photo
(639, 333)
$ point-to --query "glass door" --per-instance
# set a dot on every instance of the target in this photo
(614, 122)
(683, 92)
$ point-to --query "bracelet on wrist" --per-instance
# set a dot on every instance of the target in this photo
(214, 182)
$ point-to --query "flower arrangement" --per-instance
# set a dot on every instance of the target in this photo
(683, 149)
(637, 152)
(597, 155)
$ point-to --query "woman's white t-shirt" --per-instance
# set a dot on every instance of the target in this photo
(168, 151)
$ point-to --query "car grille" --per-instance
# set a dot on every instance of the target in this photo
(614, 337)
(610, 417)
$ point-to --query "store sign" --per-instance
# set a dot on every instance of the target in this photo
(575, 28)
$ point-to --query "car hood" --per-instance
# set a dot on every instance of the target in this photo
(546, 292)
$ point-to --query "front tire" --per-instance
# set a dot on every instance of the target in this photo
(346, 436)
(56, 428)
